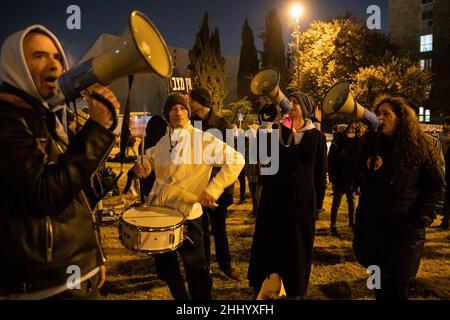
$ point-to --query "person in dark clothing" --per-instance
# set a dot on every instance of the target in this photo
(242, 187)
(252, 171)
(201, 105)
(285, 222)
(444, 139)
(47, 228)
(342, 161)
(446, 211)
(239, 137)
(156, 129)
(402, 183)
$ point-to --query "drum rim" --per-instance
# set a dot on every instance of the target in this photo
(153, 229)
(128, 208)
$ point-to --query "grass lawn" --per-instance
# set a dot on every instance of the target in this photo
(335, 273)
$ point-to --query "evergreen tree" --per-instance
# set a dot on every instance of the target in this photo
(248, 63)
(207, 64)
(219, 91)
(273, 49)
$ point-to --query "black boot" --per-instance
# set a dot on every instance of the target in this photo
(351, 224)
(178, 291)
(334, 231)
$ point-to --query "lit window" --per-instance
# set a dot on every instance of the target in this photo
(427, 92)
(427, 115)
(426, 43)
(425, 64)
(421, 114)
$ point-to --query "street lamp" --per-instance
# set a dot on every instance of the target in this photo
(296, 12)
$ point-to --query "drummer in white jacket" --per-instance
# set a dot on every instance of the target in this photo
(182, 162)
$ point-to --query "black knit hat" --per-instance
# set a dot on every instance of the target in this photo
(172, 100)
(306, 103)
(203, 96)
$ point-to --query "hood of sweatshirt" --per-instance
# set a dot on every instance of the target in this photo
(13, 66)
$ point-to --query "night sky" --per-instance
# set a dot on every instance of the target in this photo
(177, 20)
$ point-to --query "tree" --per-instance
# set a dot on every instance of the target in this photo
(244, 107)
(395, 76)
(273, 54)
(347, 50)
(333, 51)
(248, 63)
(219, 90)
(207, 64)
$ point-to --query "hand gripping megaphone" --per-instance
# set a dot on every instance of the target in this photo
(339, 100)
(141, 49)
(267, 83)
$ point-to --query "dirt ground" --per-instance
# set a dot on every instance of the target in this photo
(335, 273)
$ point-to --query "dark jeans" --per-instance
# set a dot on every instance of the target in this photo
(253, 191)
(446, 212)
(217, 218)
(242, 188)
(193, 256)
(338, 193)
(88, 291)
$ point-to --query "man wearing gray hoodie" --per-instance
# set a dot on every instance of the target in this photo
(49, 240)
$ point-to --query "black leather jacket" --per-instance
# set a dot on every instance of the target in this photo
(46, 219)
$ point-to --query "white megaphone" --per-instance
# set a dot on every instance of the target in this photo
(267, 83)
(339, 100)
(141, 49)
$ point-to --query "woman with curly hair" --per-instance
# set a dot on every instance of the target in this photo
(402, 183)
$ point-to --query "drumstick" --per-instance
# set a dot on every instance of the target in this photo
(142, 147)
(142, 163)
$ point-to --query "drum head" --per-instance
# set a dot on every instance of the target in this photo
(156, 217)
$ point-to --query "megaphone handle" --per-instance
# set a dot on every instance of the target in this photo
(285, 105)
(110, 107)
(370, 119)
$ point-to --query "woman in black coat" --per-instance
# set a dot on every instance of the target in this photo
(284, 231)
(402, 183)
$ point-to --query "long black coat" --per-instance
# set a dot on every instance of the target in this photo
(284, 231)
(394, 208)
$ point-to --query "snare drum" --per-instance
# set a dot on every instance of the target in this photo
(152, 229)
